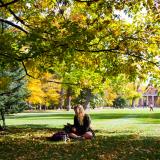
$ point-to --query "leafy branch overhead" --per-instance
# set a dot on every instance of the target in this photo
(108, 37)
(9, 3)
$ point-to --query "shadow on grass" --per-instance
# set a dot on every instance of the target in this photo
(93, 115)
(125, 115)
(30, 143)
(42, 115)
(27, 129)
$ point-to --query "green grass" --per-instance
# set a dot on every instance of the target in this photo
(124, 134)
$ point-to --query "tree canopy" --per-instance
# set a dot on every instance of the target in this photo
(83, 42)
(117, 36)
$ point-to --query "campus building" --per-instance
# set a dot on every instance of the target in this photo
(150, 96)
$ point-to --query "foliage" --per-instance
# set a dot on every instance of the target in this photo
(119, 102)
(36, 95)
(44, 91)
(96, 100)
(123, 87)
(85, 43)
(61, 31)
(110, 95)
(13, 93)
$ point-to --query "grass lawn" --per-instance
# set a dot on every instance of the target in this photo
(124, 134)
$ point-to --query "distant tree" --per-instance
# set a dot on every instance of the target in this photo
(89, 99)
(119, 102)
(13, 91)
(43, 91)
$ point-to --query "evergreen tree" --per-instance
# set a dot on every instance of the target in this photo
(12, 91)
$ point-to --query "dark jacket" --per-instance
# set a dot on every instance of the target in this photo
(81, 129)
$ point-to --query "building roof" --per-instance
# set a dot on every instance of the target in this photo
(151, 91)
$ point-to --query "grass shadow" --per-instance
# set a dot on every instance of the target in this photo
(41, 115)
(123, 115)
(28, 129)
(28, 144)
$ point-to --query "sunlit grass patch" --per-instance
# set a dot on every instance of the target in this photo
(120, 135)
(30, 144)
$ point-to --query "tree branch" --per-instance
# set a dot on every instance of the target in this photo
(14, 15)
(62, 82)
(116, 50)
(11, 57)
(11, 91)
(101, 50)
(144, 59)
(46, 80)
(87, 1)
(7, 4)
(14, 25)
(25, 69)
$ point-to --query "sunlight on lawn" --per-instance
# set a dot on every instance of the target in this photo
(125, 134)
(107, 122)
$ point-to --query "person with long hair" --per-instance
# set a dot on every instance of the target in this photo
(81, 128)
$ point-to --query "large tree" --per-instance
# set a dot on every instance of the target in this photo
(104, 38)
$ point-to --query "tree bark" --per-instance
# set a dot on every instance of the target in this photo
(40, 107)
(88, 98)
(3, 119)
(133, 102)
(61, 99)
(45, 107)
(68, 99)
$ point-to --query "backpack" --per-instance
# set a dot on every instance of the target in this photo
(60, 136)
(68, 128)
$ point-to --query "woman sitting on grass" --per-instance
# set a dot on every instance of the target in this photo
(82, 121)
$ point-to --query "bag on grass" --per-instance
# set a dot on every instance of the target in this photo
(68, 128)
(60, 136)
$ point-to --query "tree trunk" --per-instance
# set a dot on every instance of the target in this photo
(133, 102)
(52, 106)
(3, 119)
(134, 99)
(40, 107)
(61, 99)
(45, 107)
(68, 99)
(88, 98)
